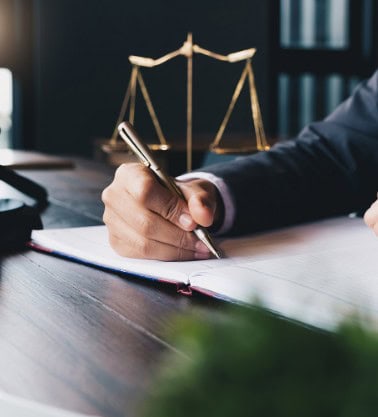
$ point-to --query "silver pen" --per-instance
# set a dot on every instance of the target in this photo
(130, 136)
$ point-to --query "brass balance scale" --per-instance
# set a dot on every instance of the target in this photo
(188, 49)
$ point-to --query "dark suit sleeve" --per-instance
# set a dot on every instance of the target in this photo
(331, 168)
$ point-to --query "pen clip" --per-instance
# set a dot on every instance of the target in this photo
(135, 145)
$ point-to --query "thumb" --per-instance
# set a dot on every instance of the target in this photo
(201, 197)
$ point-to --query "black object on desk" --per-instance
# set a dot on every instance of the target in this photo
(17, 219)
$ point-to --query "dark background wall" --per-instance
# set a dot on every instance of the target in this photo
(81, 67)
(70, 64)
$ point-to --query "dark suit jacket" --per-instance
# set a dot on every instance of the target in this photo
(331, 168)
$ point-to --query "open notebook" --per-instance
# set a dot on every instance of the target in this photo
(315, 273)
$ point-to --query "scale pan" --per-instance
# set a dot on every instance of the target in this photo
(159, 146)
(237, 150)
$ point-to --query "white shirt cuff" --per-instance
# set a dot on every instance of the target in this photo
(229, 206)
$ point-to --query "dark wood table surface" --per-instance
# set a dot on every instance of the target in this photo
(76, 337)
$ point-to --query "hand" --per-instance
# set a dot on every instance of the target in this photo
(145, 220)
(371, 217)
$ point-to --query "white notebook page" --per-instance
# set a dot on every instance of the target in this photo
(318, 274)
(90, 244)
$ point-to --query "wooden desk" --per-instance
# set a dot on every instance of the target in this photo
(73, 336)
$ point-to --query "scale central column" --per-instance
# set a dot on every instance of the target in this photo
(189, 103)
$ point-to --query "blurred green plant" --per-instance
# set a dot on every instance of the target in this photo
(256, 364)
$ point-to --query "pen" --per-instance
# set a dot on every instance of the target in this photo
(130, 136)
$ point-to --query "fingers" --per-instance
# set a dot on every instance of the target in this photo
(128, 242)
(371, 217)
(143, 187)
(147, 224)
